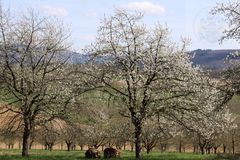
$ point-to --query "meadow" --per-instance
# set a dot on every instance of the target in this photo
(79, 155)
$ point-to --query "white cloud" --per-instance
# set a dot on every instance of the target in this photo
(147, 7)
(55, 11)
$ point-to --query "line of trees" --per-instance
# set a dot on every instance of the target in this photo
(220, 136)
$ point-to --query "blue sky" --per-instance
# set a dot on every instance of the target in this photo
(185, 18)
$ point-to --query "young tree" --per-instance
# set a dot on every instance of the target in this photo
(180, 138)
(96, 130)
(155, 131)
(33, 77)
(48, 135)
(120, 131)
(69, 135)
(9, 138)
(96, 135)
(231, 133)
(81, 140)
(210, 129)
(143, 69)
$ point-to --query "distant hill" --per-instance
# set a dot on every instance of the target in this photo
(208, 59)
(211, 59)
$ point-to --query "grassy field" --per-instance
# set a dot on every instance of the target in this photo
(79, 155)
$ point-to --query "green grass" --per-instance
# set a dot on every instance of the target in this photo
(79, 155)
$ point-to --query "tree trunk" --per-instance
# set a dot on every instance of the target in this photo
(202, 149)
(46, 146)
(61, 146)
(50, 147)
(74, 147)
(26, 138)
(19, 145)
(224, 148)
(31, 144)
(215, 150)
(132, 146)
(81, 146)
(138, 131)
(180, 146)
(148, 150)
(68, 146)
(208, 150)
(233, 146)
